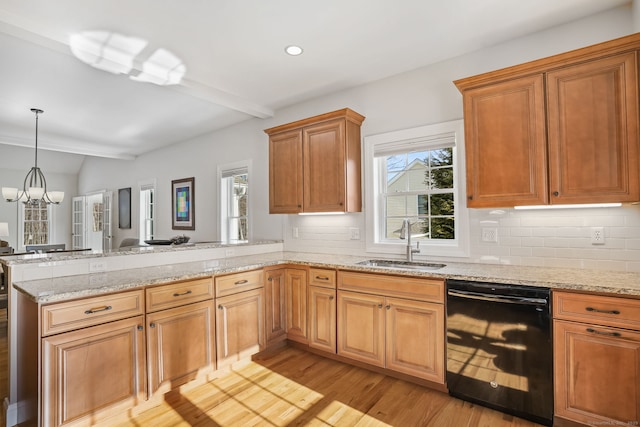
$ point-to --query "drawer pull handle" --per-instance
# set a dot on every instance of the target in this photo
(609, 334)
(98, 309)
(322, 278)
(595, 310)
(241, 282)
(179, 294)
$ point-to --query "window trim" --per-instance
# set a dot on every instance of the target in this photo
(222, 171)
(405, 140)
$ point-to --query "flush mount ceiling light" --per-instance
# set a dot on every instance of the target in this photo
(293, 50)
(34, 189)
(120, 54)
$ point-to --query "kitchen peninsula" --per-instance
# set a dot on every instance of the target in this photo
(240, 279)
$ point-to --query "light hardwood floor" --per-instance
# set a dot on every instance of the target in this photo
(296, 388)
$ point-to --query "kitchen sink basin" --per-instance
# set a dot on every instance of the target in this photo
(411, 265)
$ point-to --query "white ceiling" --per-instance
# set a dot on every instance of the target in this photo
(234, 56)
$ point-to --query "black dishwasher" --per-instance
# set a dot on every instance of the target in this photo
(499, 348)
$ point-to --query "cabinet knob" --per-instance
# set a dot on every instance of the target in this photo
(270, 279)
(331, 298)
(388, 307)
(140, 327)
(220, 307)
(470, 197)
(556, 194)
(152, 325)
(379, 305)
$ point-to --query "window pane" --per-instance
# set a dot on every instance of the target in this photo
(442, 228)
(416, 178)
(442, 204)
(393, 226)
(423, 204)
(396, 206)
(441, 157)
(441, 178)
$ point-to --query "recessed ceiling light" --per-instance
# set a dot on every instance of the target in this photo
(293, 50)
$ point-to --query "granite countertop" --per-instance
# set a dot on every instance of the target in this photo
(63, 288)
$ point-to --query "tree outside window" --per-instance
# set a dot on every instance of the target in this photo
(420, 186)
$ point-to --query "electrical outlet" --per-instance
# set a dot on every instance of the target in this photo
(97, 266)
(295, 232)
(490, 234)
(354, 233)
(597, 235)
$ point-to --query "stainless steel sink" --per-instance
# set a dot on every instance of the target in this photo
(411, 265)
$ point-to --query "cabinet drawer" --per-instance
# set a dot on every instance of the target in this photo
(238, 282)
(425, 289)
(322, 278)
(66, 316)
(612, 311)
(177, 294)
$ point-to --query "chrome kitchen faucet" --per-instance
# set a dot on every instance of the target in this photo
(405, 233)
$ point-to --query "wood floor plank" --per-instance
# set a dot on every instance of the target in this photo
(297, 388)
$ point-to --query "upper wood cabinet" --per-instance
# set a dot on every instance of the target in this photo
(559, 130)
(314, 164)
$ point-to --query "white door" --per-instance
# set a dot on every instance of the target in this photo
(78, 233)
(107, 237)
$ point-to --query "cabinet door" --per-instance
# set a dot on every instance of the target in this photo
(593, 141)
(239, 326)
(361, 327)
(597, 373)
(324, 167)
(91, 373)
(506, 143)
(180, 344)
(275, 319)
(415, 338)
(296, 304)
(285, 172)
(322, 318)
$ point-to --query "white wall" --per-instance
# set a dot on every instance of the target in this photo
(416, 98)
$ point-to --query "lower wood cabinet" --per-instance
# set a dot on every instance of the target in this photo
(596, 359)
(275, 312)
(322, 318)
(296, 304)
(401, 334)
(239, 326)
(89, 374)
(180, 345)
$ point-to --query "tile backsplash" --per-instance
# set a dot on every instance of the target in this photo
(551, 238)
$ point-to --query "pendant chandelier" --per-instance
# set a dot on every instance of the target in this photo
(34, 190)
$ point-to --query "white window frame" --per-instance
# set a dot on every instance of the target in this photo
(243, 166)
(51, 237)
(142, 208)
(414, 139)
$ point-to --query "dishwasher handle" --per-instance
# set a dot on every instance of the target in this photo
(496, 298)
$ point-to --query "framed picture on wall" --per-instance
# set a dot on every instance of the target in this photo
(124, 208)
(183, 211)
